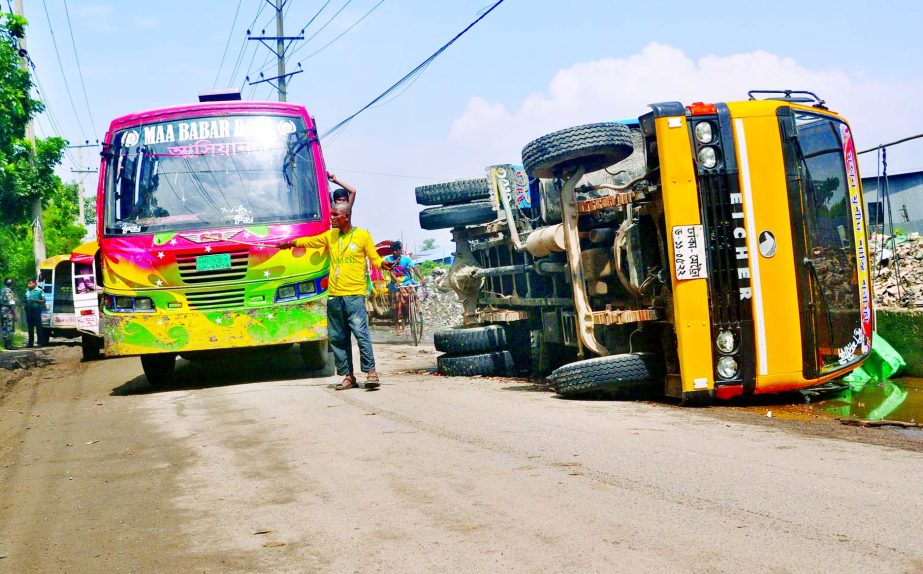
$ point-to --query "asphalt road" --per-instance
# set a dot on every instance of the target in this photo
(246, 465)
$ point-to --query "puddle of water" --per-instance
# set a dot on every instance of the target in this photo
(896, 400)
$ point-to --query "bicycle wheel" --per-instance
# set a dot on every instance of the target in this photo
(415, 319)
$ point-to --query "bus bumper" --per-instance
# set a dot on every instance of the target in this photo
(146, 333)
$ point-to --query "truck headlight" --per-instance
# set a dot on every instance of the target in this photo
(708, 157)
(725, 342)
(727, 367)
(703, 132)
(144, 304)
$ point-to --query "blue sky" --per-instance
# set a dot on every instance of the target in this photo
(530, 67)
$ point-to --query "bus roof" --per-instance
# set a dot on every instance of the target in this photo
(52, 262)
(85, 252)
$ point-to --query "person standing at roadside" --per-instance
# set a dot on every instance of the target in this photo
(35, 304)
(344, 194)
(7, 313)
(348, 248)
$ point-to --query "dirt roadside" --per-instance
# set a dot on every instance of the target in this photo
(99, 473)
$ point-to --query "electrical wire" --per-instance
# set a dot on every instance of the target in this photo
(226, 44)
(412, 73)
(343, 33)
(52, 118)
(243, 46)
(83, 84)
(67, 88)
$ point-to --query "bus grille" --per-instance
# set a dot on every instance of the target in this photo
(189, 275)
(222, 299)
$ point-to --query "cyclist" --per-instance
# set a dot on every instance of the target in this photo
(402, 284)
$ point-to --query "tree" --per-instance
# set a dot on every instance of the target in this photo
(428, 244)
(27, 168)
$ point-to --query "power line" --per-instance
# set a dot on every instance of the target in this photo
(327, 23)
(413, 72)
(243, 46)
(228, 43)
(79, 68)
(343, 33)
(63, 75)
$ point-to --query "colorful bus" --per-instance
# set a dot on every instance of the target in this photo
(191, 201)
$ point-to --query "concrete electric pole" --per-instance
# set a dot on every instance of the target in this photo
(38, 232)
(282, 44)
(81, 177)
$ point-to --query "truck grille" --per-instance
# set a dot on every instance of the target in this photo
(222, 299)
(719, 224)
(189, 275)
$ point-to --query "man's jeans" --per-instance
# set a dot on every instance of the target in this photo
(345, 316)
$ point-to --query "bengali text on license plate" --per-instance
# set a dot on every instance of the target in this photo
(213, 262)
(689, 252)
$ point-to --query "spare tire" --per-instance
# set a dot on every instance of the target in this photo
(499, 363)
(452, 192)
(594, 146)
(449, 216)
(471, 340)
(614, 374)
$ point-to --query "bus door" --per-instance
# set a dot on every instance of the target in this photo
(86, 293)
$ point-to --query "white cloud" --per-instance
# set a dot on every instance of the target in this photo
(618, 88)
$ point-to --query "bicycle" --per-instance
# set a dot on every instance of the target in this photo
(412, 312)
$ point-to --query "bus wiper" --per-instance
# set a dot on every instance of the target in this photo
(297, 142)
(815, 282)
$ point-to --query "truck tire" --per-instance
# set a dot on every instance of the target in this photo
(314, 355)
(449, 216)
(614, 374)
(452, 192)
(497, 363)
(159, 368)
(594, 146)
(471, 340)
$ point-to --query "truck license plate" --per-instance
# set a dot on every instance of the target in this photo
(689, 252)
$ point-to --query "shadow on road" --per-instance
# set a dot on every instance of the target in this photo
(234, 368)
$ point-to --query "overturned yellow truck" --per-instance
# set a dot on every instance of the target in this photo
(707, 251)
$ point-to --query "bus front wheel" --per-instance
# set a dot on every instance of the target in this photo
(314, 355)
(158, 368)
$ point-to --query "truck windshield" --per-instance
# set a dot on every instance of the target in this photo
(206, 172)
(830, 252)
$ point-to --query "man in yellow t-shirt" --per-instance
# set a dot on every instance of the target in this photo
(348, 247)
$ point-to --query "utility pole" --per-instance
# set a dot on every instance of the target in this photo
(282, 44)
(81, 197)
(38, 232)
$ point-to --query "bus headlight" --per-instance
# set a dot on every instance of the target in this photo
(703, 132)
(708, 157)
(144, 304)
(122, 302)
(725, 342)
(306, 288)
(727, 367)
(286, 292)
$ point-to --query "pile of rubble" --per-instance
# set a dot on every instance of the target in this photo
(897, 270)
(441, 308)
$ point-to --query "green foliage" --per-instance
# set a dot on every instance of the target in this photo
(427, 267)
(428, 244)
(27, 169)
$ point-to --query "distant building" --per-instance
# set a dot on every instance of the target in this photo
(905, 192)
(439, 255)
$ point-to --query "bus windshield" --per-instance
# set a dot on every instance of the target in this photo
(204, 172)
